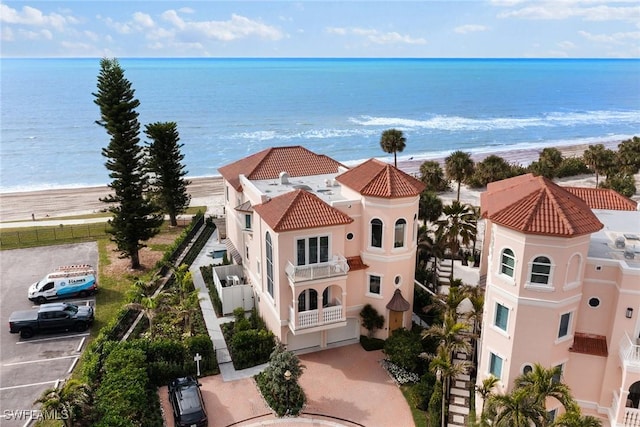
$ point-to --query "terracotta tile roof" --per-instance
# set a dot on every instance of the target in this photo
(398, 303)
(245, 207)
(543, 208)
(603, 198)
(298, 210)
(267, 164)
(595, 345)
(378, 179)
(356, 263)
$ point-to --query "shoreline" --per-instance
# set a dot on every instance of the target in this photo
(208, 191)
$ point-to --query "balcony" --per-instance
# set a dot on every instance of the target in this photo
(630, 353)
(313, 318)
(338, 266)
(630, 416)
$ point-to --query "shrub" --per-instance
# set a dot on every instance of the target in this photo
(403, 349)
(284, 396)
(423, 391)
(623, 184)
(251, 347)
(435, 405)
(371, 320)
(371, 344)
(572, 166)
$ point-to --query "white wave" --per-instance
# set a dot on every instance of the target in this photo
(457, 123)
(309, 134)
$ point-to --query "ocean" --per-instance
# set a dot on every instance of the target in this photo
(227, 109)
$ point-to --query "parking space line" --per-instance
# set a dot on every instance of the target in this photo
(52, 338)
(73, 365)
(79, 349)
(38, 361)
(27, 385)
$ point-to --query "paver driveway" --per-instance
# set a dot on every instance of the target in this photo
(344, 386)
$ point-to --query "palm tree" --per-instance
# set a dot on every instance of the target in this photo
(573, 418)
(429, 206)
(458, 167)
(446, 369)
(428, 246)
(459, 226)
(69, 402)
(486, 389)
(451, 334)
(431, 173)
(543, 382)
(392, 141)
(599, 159)
(491, 168)
(516, 409)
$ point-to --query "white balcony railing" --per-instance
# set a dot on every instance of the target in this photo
(338, 266)
(629, 351)
(311, 318)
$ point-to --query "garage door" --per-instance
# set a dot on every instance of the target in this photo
(349, 332)
(303, 341)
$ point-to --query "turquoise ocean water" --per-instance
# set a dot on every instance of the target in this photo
(228, 108)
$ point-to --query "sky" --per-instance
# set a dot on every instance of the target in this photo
(336, 29)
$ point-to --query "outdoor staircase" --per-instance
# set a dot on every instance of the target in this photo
(460, 395)
(443, 270)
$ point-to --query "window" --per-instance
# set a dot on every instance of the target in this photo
(376, 233)
(558, 376)
(541, 270)
(502, 317)
(269, 264)
(527, 368)
(398, 233)
(312, 250)
(565, 321)
(247, 221)
(374, 285)
(495, 365)
(507, 263)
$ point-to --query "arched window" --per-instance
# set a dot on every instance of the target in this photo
(398, 233)
(376, 233)
(507, 262)
(269, 264)
(541, 270)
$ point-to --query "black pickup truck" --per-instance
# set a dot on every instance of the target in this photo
(51, 317)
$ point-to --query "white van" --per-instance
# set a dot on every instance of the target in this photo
(67, 281)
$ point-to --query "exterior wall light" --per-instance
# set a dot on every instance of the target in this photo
(629, 313)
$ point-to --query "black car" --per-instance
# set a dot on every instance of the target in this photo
(187, 404)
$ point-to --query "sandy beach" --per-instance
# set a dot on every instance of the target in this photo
(208, 191)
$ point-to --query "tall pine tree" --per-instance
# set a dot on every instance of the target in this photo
(135, 219)
(167, 171)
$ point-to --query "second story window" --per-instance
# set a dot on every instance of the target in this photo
(541, 270)
(269, 253)
(398, 233)
(502, 317)
(247, 221)
(376, 233)
(312, 250)
(507, 262)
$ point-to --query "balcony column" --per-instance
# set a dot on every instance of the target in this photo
(294, 304)
(320, 308)
(343, 303)
(622, 407)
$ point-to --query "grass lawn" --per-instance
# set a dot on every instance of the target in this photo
(419, 417)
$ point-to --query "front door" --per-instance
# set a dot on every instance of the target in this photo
(395, 320)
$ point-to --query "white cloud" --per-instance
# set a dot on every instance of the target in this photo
(143, 19)
(566, 45)
(376, 36)
(615, 38)
(32, 17)
(6, 34)
(588, 10)
(237, 27)
(470, 28)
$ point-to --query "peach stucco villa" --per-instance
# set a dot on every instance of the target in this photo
(562, 270)
(318, 241)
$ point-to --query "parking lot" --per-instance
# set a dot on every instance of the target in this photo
(30, 366)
